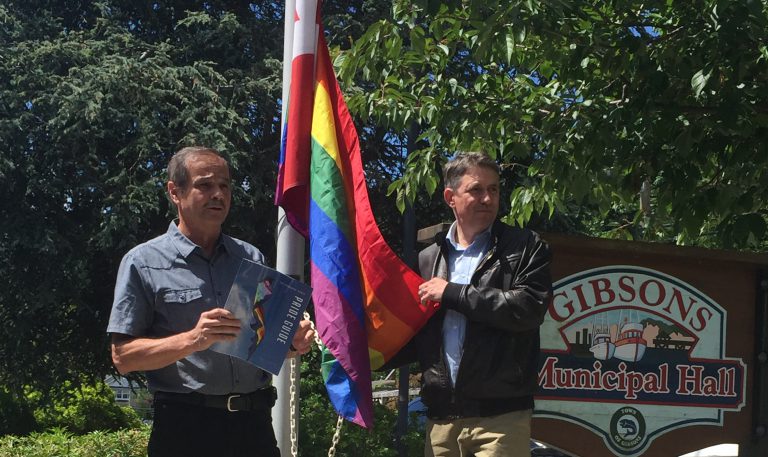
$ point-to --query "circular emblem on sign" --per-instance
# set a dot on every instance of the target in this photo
(627, 428)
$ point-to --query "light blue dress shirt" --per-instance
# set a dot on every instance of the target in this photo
(462, 262)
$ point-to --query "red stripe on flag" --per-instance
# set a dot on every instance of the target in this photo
(294, 195)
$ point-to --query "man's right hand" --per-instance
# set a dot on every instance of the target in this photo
(215, 325)
(130, 353)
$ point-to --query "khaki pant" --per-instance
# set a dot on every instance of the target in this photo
(505, 435)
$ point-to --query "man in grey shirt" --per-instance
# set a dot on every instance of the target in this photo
(168, 311)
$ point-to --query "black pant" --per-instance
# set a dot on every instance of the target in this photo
(190, 431)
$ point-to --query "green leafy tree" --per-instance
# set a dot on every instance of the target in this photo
(591, 106)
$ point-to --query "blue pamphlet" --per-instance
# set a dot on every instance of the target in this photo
(269, 305)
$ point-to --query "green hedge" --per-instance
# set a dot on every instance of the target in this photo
(77, 409)
(82, 409)
(59, 443)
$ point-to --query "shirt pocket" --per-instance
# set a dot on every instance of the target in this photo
(179, 309)
(182, 296)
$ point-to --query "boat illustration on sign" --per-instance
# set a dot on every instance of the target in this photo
(602, 347)
(630, 345)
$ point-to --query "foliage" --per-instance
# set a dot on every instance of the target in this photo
(591, 106)
(76, 408)
(123, 443)
(318, 422)
(81, 409)
(16, 416)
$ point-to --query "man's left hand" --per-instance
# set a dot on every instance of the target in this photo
(303, 339)
(432, 290)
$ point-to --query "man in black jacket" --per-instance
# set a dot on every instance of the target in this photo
(478, 353)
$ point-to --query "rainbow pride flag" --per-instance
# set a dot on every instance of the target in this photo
(365, 298)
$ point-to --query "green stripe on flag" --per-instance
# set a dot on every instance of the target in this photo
(327, 189)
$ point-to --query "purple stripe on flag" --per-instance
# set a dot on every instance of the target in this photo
(348, 343)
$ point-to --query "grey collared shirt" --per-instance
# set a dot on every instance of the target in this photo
(162, 287)
(462, 262)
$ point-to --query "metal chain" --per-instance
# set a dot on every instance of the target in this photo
(312, 324)
(339, 421)
(336, 436)
(292, 409)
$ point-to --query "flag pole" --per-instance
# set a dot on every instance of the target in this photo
(290, 261)
(403, 390)
(411, 259)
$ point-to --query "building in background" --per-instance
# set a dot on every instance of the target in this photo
(131, 394)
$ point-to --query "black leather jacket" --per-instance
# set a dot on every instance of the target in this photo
(504, 305)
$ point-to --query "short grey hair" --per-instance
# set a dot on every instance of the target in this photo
(177, 166)
(457, 167)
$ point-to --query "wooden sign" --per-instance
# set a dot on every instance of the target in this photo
(644, 347)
